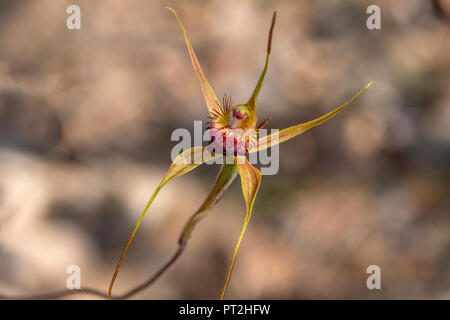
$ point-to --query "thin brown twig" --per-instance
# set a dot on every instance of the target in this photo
(63, 293)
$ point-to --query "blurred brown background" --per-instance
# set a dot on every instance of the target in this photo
(85, 123)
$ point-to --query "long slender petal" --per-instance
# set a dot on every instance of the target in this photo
(212, 103)
(288, 133)
(252, 101)
(250, 180)
(185, 162)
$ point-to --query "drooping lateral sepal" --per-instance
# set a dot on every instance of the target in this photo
(183, 163)
(250, 181)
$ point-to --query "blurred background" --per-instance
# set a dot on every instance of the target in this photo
(85, 123)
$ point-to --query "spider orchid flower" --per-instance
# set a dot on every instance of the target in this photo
(234, 141)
